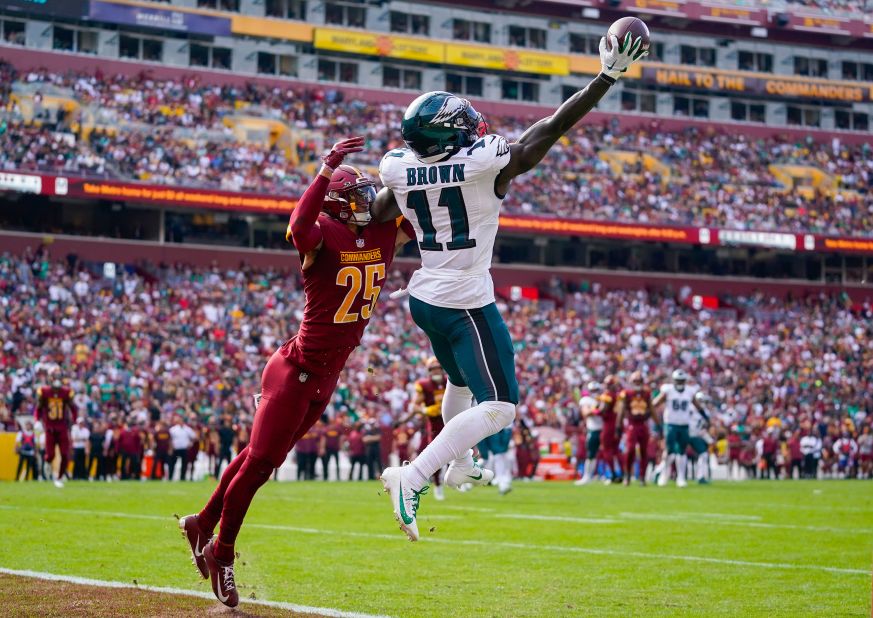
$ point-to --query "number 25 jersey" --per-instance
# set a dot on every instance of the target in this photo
(342, 287)
(455, 211)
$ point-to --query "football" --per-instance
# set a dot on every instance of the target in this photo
(634, 25)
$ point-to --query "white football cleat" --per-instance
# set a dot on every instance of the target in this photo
(473, 475)
(583, 481)
(59, 483)
(438, 493)
(663, 479)
(680, 482)
(404, 500)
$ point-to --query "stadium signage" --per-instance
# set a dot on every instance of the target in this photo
(437, 52)
(141, 193)
(21, 183)
(753, 83)
(774, 240)
(60, 8)
(657, 7)
(161, 19)
(370, 44)
(565, 227)
(728, 14)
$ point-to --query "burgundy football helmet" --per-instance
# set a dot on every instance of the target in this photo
(350, 195)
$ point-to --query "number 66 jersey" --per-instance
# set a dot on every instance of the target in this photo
(454, 208)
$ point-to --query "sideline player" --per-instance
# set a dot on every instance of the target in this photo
(699, 437)
(428, 402)
(635, 404)
(345, 260)
(590, 406)
(56, 410)
(450, 182)
(678, 398)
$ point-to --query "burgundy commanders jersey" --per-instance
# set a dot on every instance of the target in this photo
(342, 287)
(607, 411)
(433, 395)
(55, 407)
(638, 405)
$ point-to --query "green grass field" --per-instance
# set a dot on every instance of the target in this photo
(547, 549)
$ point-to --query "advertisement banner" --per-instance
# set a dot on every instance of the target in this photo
(671, 8)
(161, 19)
(179, 196)
(756, 83)
(20, 183)
(283, 29)
(59, 8)
(728, 14)
(369, 44)
(823, 24)
(483, 57)
(565, 227)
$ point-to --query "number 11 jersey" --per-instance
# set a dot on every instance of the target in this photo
(455, 209)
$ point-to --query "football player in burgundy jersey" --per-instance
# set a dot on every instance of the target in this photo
(345, 258)
(608, 438)
(56, 410)
(428, 402)
(635, 405)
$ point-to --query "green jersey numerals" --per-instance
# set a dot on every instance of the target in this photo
(453, 199)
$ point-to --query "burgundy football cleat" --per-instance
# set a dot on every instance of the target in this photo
(221, 573)
(197, 539)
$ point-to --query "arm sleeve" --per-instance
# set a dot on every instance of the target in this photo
(302, 230)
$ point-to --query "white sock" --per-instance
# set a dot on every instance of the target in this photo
(456, 439)
(702, 466)
(668, 465)
(681, 463)
(589, 468)
(456, 399)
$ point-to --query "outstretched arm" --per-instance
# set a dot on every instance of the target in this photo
(534, 143)
(385, 207)
(302, 228)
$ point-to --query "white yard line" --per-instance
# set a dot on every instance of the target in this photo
(691, 518)
(574, 520)
(101, 583)
(533, 547)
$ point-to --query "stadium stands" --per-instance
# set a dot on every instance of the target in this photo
(187, 340)
(181, 132)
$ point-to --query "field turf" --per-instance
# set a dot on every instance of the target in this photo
(794, 548)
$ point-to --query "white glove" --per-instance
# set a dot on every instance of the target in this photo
(396, 294)
(615, 61)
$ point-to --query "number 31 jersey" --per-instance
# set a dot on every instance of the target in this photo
(455, 211)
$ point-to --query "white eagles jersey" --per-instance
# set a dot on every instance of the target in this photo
(678, 405)
(593, 422)
(697, 428)
(455, 211)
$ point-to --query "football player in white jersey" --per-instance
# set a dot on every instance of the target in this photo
(699, 437)
(589, 406)
(450, 182)
(679, 401)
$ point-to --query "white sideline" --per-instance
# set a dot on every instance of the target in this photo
(573, 549)
(101, 583)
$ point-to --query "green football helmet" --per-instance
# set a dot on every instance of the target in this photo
(439, 123)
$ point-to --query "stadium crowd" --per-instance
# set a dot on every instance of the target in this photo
(173, 132)
(164, 361)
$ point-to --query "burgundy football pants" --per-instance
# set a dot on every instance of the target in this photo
(292, 400)
(636, 435)
(60, 437)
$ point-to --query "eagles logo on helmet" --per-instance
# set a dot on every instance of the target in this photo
(350, 195)
(440, 123)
